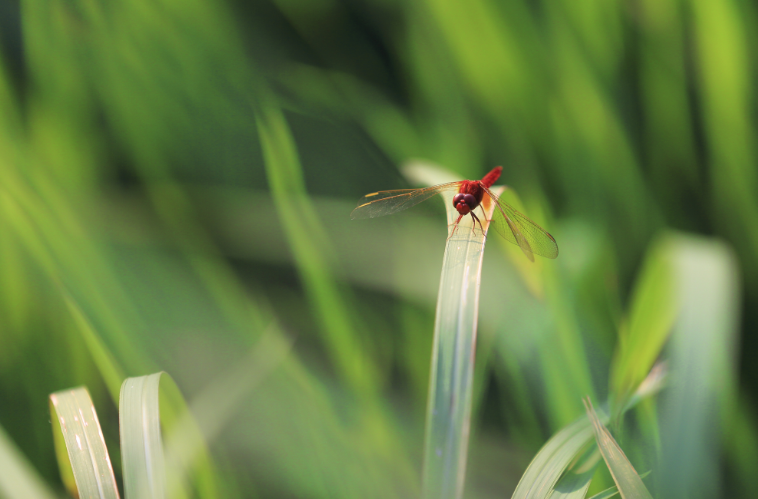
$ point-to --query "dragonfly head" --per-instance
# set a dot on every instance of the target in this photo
(464, 203)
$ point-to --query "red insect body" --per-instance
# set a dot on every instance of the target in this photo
(471, 193)
(492, 176)
(475, 188)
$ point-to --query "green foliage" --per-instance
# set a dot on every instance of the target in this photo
(628, 481)
(176, 180)
(653, 311)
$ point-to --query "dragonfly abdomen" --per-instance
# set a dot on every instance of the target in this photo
(492, 176)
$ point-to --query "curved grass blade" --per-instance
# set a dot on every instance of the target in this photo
(146, 402)
(452, 369)
(540, 478)
(141, 445)
(78, 432)
(627, 480)
(551, 461)
(148, 405)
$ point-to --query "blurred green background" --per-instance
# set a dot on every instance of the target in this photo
(184, 172)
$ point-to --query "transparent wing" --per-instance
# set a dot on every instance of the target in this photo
(516, 228)
(379, 204)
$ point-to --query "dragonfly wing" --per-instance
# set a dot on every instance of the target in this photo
(379, 204)
(518, 229)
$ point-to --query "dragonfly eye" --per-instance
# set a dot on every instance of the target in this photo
(464, 203)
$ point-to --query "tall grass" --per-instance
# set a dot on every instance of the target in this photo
(180, 174)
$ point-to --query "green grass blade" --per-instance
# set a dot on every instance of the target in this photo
(551, 461)
(652, 314)
(612, 491)
(310, 247)
(742, 447)
(609, 492)
(141, 445)
(188, 463)
(149, 403)
(572, 485)
(540, 478)
(724, 38)
(576, 481)
(702, 363)
(106, 363)
(18, 478)
(78, 430)
(452, 370)
(627, 480)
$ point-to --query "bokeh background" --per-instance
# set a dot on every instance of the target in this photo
(183, 172)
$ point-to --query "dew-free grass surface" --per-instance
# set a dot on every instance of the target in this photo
(176, 177)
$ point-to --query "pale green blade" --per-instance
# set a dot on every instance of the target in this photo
(148, 403)
(78, 430)
(18, 478)
(702, 362)
(448, 417)
(627, 480)
(141, 445)
(148, 406)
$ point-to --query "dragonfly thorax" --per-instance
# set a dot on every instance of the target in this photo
(464, 203)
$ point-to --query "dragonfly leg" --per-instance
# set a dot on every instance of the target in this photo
(476, 220)
(455, 226)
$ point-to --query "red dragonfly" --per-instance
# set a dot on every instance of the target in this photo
(509, 223)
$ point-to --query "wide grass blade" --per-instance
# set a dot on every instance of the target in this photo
(148, 406)
(141, 445)
(540, 478)
(702, 363)
(551, 461)
(78, 432)
(149, 402)
(452, 370)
